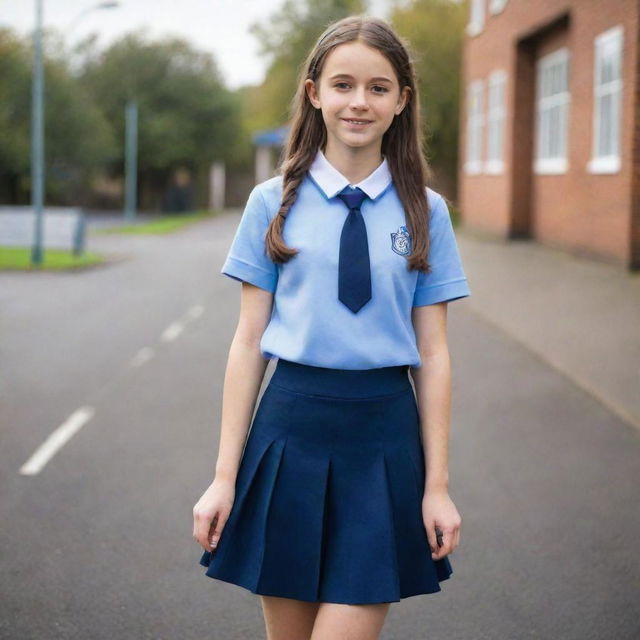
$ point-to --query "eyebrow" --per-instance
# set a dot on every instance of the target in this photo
(346, 75)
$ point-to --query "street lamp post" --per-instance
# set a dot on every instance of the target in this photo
(82, 14)
(37, 127)
(37, 137)
(131, 160)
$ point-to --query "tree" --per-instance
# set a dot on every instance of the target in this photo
(187, 118)
(77, 138)
(435, 30)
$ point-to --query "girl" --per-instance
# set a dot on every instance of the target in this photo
(338, 505)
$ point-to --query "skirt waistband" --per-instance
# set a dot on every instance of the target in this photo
(341, 383)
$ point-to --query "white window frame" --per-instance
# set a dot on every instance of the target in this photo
(496, 115)
(475, 127)
(476, 17)
(608, 43)
(546, 108)
(496, 6)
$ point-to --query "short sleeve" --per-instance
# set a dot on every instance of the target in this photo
(247, 259)
(447, 280)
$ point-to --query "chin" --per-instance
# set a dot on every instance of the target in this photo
(357, 141)
(356, 145)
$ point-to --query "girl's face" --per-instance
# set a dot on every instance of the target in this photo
(359, 95)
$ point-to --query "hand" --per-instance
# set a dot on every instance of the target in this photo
(438, 510)
(211, 513)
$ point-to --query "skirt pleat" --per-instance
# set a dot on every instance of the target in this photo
(296, 525)
(328, 503)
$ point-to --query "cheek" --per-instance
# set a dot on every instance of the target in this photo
(332, 103)
(386, 112)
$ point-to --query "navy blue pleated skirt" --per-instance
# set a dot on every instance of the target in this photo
(328, 502)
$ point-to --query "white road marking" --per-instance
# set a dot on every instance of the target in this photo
(172, 331)
(195, 312)
(79, 418)
(176, 328)
(169, 334)
(56, 441)
(144, 355)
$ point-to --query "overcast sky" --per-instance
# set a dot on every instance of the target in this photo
(219, 26)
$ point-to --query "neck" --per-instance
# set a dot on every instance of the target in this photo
(355, 164)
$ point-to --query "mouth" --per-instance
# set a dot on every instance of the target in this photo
(357, 122)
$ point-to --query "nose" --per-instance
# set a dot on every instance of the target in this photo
(359, 99)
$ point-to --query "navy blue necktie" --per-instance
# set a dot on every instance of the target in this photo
(354, 271)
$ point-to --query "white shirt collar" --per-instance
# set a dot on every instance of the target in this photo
(332, 182)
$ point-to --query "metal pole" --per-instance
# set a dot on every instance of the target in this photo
(37, 138)
(82, 14)
(131, 159)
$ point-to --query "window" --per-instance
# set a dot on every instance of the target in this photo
(552, 110)
(495, 122)
(475, 124)
(476, 19)
(607, 101)
(496, 6)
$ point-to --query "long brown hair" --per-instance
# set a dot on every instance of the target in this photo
(402, 143)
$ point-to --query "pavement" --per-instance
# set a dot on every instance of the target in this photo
(580, 315)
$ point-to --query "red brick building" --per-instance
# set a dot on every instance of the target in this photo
(550, 115)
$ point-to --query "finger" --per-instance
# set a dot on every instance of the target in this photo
(438, 539)
(431, 537)
(438, 535)
(437, 555)
(203, 527)
(196, 525)
(216, 531)
(446, 546)
(453, 541)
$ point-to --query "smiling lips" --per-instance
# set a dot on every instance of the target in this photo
(356, 121)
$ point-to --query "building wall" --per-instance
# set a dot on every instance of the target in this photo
(578, 210)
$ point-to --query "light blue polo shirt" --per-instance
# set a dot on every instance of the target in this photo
(308, 323)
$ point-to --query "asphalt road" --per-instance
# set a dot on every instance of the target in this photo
(98, 543)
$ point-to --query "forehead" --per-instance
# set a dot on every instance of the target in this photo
(358, 60)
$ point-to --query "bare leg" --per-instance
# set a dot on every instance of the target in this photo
(288, 619)
(349, 621)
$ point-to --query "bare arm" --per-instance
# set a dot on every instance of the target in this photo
(243, 378)
(433, 390)
(433, 395)
(242, 381)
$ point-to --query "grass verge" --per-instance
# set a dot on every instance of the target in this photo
(166, 224)
(19, 258)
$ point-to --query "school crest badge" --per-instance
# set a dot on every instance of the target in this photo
(401, 241)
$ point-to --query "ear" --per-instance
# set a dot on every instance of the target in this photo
(405, 94)
(312, 92)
